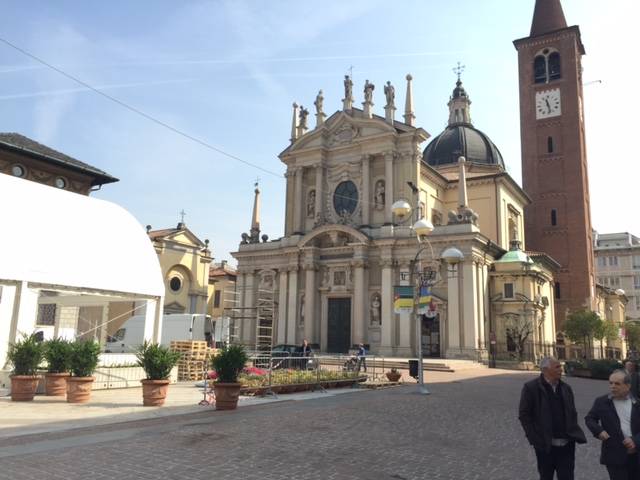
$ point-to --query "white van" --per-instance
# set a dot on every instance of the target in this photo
(177, 327)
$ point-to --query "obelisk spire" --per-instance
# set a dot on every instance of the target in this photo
(547, 17)
(254, 234)
(294, 123)
(463, 199)
(409, 116)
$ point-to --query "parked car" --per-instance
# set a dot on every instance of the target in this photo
(286, 356)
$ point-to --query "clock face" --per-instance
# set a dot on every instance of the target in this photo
(548, 103)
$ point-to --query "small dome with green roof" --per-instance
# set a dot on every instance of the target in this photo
(515, 255)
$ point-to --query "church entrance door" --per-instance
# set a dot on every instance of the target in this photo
(431, 336)
(339, 325)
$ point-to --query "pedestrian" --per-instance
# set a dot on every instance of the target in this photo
(362, 361)
(305, 352)
(550, 421)
(632, 370)
(614, 419)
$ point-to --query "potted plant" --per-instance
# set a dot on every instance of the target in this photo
(25, 355)
(157, 362)
(83, 362)
(57, 353)
(228, 364)
(393, 375)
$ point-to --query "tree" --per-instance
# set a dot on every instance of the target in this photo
(580, 327)
(605, 330)
(518, 329)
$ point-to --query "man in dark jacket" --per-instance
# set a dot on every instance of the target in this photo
(615, 420)
(550, 421)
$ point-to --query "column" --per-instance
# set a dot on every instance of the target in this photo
(453, 314)
(247, 326)
(388, 187)
(481, 305)
(309, 301)
(282, 306)
(359, 300)
(407, 321)
(387, 314)
(292, 314)
(319, 193)
(470, 301)
(366, 192)
(298, 202)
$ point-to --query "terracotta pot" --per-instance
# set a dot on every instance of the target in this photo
(55, 384)
(79, 389)
(393, 376)
(154, 392)
(227, 395)
(23, 387)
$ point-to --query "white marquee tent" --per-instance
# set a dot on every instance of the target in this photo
(54, 240)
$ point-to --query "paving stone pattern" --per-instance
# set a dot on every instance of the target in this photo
(464, 430)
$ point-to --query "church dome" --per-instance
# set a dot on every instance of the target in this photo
(461, 138)
(465, 140)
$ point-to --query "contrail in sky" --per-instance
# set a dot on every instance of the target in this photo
(230, 61)
(65, 91)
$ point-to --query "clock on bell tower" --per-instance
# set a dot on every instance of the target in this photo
(554, 159)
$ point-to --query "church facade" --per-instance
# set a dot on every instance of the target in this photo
(332, 275)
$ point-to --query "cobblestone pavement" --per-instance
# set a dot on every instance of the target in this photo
(466, 429)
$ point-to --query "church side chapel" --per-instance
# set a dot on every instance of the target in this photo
(332, 274)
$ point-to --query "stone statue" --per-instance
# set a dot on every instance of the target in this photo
(368, 91)
(375, 310)
(379, 195)
(348, 88)
(318, 103)
(304, 113)
(311, 204)
(390, 93)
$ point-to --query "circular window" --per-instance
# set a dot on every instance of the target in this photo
(175, 284)
(60, 182)
(345, 198)
(17, 171)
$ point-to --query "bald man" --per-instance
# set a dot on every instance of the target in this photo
(614, 419)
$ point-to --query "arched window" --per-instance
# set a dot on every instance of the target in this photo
(550, 145)
(554, 66)
(540, 69)
(546, 66)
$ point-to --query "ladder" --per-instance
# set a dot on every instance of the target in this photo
(265, 319)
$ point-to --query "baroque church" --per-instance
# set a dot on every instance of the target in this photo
(333, 273)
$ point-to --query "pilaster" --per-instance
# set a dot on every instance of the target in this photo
(388, 185)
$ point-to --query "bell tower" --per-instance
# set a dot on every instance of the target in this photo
(554, 158)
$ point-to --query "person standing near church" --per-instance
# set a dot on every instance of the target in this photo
(550, 421)
(614, 419)
(362, 357)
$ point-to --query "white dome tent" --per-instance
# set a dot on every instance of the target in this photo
(78, 251)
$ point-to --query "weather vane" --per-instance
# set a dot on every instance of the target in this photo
(459, 69)
(182, 214)
(257, 181)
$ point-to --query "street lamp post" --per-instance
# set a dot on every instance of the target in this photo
(422, 227)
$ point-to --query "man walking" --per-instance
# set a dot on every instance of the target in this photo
(362, 357)
(632, 370)
(550, 421)
(614, 419)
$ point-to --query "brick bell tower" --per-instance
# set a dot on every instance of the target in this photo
(554, 157)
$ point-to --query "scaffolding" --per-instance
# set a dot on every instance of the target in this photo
(242, 318)
(265, 319)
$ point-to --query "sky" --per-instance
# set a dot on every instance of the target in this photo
(227, 72)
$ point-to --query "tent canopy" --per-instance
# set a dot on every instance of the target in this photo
(57, 237)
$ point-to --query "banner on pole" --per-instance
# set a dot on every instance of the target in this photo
(424, 300)
(403, 299)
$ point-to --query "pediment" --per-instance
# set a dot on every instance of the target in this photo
(329, 236)
(185, 237)
(339, 130)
